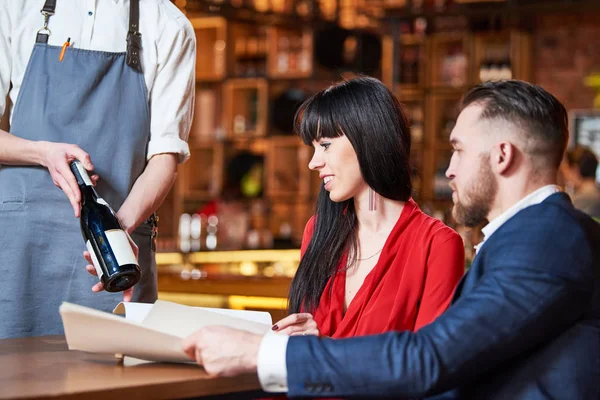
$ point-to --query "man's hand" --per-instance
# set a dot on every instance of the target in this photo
(98, 287)
(223, 351)
(297, 324)
(56, 158)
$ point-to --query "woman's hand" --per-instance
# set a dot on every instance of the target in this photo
(297, 324)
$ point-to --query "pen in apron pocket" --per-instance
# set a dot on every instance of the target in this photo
(64, 48)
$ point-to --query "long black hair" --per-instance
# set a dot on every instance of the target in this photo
(370, 116)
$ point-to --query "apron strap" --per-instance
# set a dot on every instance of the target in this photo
(134, 37)
(49, 7)
(47, 11)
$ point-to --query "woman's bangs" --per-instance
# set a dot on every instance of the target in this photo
(314, 120)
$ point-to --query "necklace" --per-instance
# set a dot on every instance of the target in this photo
(367, 258)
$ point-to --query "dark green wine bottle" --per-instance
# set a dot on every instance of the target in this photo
(104, 237)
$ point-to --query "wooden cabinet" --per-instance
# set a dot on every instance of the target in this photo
(211, 36)
(245, 106)
(429, 74)
(241, 69)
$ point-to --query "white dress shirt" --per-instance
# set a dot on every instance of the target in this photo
(531, 199)
(272, 369)
(168, 54)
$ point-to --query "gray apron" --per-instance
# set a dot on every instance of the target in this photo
(92, 99)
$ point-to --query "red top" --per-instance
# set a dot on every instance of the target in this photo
(411, 284)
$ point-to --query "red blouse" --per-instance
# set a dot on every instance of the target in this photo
(411, 284)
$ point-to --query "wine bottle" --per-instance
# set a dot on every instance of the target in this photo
(104, 237)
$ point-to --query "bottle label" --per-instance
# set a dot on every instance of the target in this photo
(121, 247)
(100, 200)
(94, 259)
(83, 173)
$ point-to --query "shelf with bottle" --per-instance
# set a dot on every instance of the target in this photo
(287, 165)
(494, 61)
(291, 53)
(414, 107)
(211, 44)
(207, 124)
(449, 61)
(250, 50)
(201, 176)
(245, 103)
(416, 162)
(444, 112)
(441, 184)
(500, 53)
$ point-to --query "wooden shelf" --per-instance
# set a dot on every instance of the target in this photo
(290, 53)
(211, 36)
(449, 56)
(245, 104)
(286, 166)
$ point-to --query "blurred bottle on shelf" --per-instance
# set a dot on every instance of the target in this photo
(195, 232)
(211, 232)
(283, 48)
(219, 57)
(185, 244)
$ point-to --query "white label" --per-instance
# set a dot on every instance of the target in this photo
(100, 200)
(94, 259)
(83, 173)
(121, 247)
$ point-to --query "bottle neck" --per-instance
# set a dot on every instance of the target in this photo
(87, 193)
(83, 181)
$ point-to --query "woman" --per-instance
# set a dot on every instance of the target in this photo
(372, 261)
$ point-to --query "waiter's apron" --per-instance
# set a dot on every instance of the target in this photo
(92, 99)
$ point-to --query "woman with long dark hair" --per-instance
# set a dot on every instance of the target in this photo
(372, 261)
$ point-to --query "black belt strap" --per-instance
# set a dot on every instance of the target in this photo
(134, 37)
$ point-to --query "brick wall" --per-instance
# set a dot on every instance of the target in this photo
(566, 49)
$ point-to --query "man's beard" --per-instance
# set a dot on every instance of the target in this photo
(479, 196)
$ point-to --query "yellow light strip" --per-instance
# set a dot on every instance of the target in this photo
(168, 258)
(233, 302)
(195, 300)
(243, 302)
(245, 255)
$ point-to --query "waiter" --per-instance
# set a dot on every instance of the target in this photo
(108, 82)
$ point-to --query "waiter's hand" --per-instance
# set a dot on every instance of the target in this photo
(223, 351)
(56, 157)
(98, 287)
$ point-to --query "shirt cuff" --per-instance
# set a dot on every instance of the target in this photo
(169, 145)
(272, 369)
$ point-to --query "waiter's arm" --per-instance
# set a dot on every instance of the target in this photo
(19, 151)
(172, 104)
(54, 156)
(149, 190)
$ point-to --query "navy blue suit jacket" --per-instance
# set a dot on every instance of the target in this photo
(524, 324)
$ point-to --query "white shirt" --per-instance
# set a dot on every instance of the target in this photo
(168, 55)
(272, 369)
(531, 199)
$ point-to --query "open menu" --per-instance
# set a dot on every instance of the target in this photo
(149, 332)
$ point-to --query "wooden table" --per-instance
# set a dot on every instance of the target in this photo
(43, 367)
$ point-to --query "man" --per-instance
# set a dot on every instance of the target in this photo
(581, 176)
(525, 320)
(110, 83)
